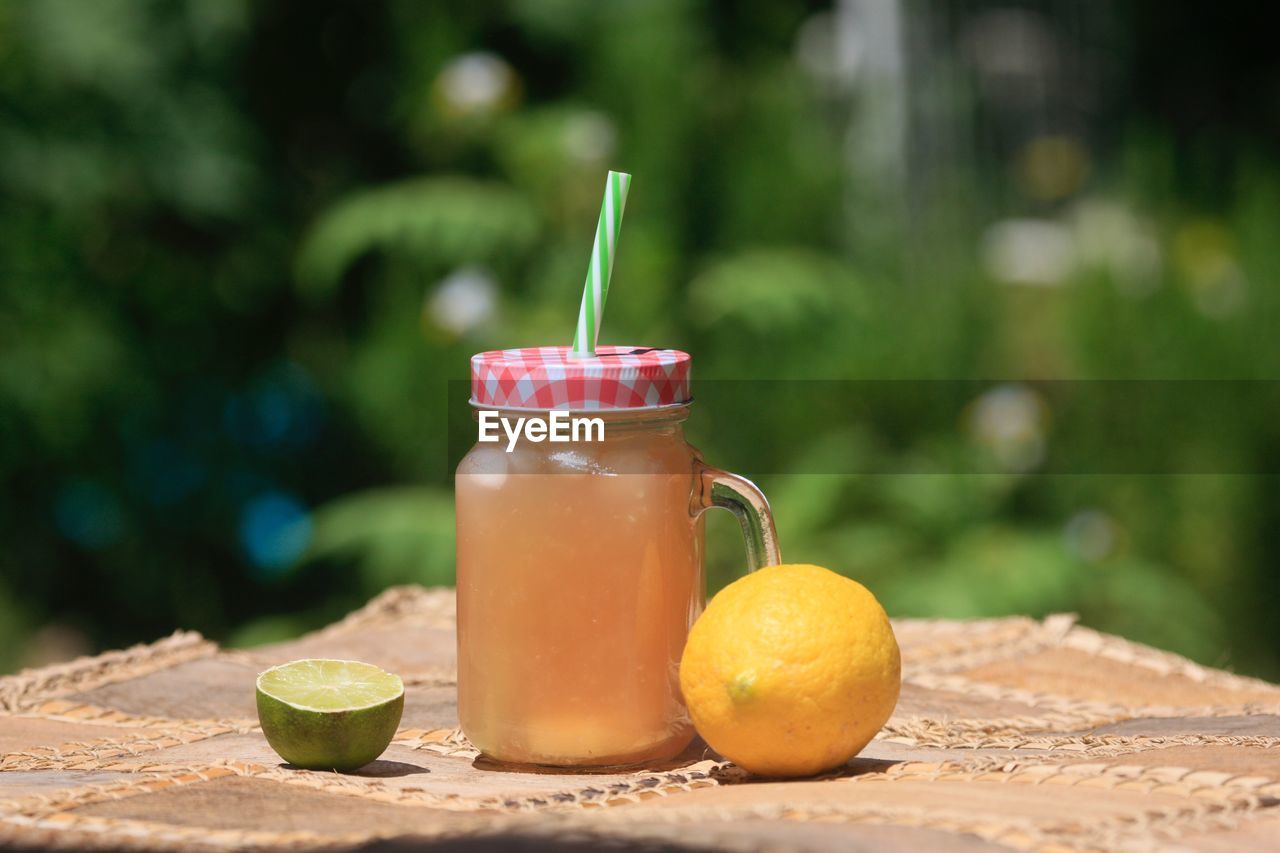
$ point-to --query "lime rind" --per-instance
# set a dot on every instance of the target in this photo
(330, 686)
(329, 714)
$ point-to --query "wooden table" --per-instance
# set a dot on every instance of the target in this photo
(1010, 733)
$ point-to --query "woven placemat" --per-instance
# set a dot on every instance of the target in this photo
(1010, 733)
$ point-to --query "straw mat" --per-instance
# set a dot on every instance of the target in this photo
(1011, 733)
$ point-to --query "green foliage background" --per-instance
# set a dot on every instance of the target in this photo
(245, 246)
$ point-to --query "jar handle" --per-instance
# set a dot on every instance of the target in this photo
(716, 488)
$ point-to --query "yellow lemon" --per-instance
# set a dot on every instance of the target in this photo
(791, 670)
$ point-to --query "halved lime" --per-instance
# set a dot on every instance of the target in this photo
(329, 714)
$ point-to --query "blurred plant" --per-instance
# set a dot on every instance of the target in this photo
(246, 246)
(429, 222)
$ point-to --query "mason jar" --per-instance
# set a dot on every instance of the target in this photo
(580, 561)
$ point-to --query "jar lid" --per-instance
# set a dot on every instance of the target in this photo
(547, 378)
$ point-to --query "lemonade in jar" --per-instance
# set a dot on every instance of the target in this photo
(579, 566)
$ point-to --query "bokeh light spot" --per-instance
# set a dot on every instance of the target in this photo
(476, 84)
(1052, 167)
(1010, 421)
(89, 515)
(1090, 534)
(275, 529)
(465, 300)
(281, 410)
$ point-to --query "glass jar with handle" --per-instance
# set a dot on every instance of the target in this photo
(580, 562)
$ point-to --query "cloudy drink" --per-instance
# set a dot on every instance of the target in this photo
(579, 576)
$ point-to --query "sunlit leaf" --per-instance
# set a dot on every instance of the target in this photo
(440, 222)
(772, 289)
(393, 535)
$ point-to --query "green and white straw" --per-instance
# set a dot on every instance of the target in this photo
(596, 288)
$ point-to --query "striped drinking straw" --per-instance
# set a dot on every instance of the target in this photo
(596, 288)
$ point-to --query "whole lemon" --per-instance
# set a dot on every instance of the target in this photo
(791, 670)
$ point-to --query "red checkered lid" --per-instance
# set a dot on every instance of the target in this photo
(547, 378)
